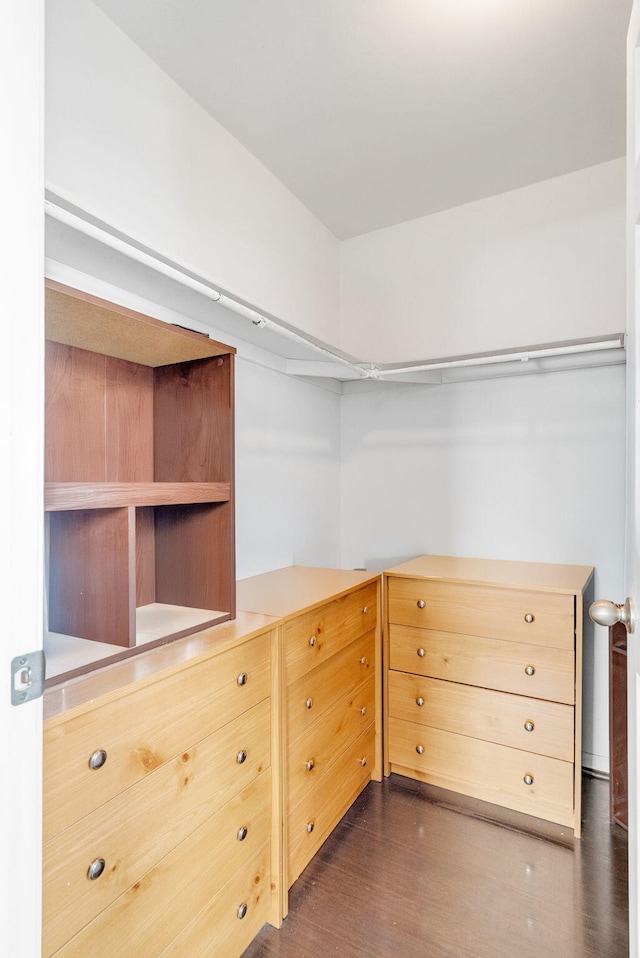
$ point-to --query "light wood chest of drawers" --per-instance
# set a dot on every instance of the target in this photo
(332, 743)
(160, 800)
(484, 680)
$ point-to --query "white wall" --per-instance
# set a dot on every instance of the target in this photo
(287, 472)
(529, 468)
(124, 142)
(535, 265)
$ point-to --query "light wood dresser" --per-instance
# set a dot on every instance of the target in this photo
(332, 741)
(161, 800)
(484, 680)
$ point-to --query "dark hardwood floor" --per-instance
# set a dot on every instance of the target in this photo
(406, 874)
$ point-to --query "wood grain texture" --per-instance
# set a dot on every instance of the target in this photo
(89, 575)
(131, 400)
(74, 415)
(413, 872)
(490, 663)
(345, 672)
(313, 637)
(154, 910)
(536, 576)
(103, 495)
(619, 775)
(217, 929)
(296, 589)
(484, 770)
(155, 665)
(145, 556)
(324, 805)
(76, 318)
(202, 697)
(195, 556)
(333, 732)
(130, 832)
(128, 405)
(484, 611)
(193, 421)
(481, 713)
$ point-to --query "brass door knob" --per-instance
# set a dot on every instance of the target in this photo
(608, 613)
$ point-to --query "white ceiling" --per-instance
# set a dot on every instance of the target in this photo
(373, 112)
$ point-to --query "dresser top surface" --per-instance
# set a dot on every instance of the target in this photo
(295, 589)
(156, 663)
(550, 577)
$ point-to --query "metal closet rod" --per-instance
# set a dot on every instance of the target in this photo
(96, 229)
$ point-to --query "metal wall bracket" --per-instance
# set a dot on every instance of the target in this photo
(27, 677)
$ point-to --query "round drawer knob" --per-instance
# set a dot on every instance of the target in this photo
(529, 617)
(421, 603)
(363, 710)
(98, 759)
(528, 779)
(241, 757)
(310, 826)
(365, 610)
(421, 653)
(420, 749)
(242, 909)
(312, 641)
(420, 701)
(308, 704)
(363, 762)
(96, 868)
(530, 669)
(242, 833)
(363, 660)
(529, 725)
(242, 678)
(310, 765)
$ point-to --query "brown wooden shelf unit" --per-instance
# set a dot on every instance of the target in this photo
(139, 478)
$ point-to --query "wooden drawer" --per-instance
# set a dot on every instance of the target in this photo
(312, 638)
(311, 755)
(490, 663)
(525, 723)
(219, 928)
(484, 610)
(315, 692)
(137, 734)
(313, 818)
(130, 832)
(484, 770)
(153, 911)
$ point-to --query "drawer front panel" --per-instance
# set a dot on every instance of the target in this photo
(311, 756)
(534, 618)
(529, 724)
(130, 832)
(137, 735)
(218, 929)
(315, 693)
(151, 913)
(315, 636)
(492, 773)
(313, 818)
(529, 670)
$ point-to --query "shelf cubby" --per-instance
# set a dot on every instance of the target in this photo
(139, 477)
